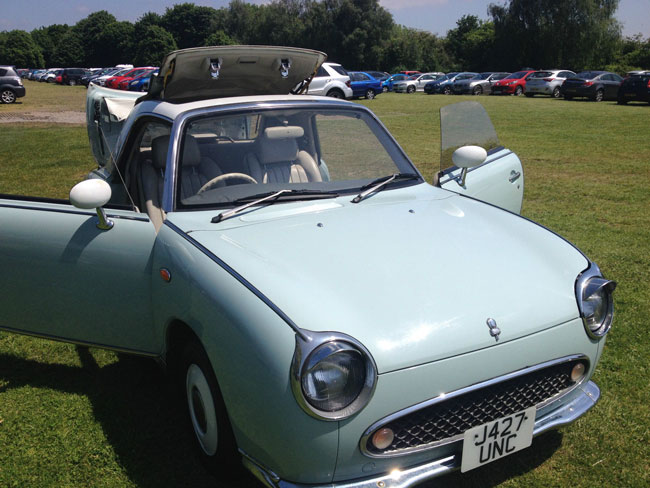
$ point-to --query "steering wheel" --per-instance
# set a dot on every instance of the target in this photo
(227, 177)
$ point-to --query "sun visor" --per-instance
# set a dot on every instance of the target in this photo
(230, 71)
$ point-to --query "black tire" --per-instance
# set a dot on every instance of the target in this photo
(519, 91)
(206, 412)
(599, 96)
(446, 90)
(478, 90)
(335, 93)
(410, 89)
(370, 94)
(7, 96)
(556, 92)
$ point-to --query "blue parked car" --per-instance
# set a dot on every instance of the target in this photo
(364, 85)
(445, 85)
(141, 83)
(387, 85)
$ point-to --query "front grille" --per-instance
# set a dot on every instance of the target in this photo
(447, 420)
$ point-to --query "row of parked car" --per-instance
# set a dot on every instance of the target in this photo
(122, 77)
(556, 83)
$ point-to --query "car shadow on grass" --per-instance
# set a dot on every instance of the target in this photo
(132, 401)
(145, 425)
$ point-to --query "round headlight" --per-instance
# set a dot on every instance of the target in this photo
(596, 305)
(334, 379)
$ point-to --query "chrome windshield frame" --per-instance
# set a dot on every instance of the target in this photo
(169, 203)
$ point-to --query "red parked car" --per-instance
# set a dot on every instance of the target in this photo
(128, 76)
(513, 84)
(124, 83)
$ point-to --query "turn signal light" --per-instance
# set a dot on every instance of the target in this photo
(383, 438)
(577, 372)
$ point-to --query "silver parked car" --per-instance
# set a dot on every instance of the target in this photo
(547, 82)
(416, 84)
(478, 85)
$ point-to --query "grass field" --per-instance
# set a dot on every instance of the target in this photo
(76, 417)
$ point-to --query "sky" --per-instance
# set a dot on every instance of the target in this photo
(437, 16)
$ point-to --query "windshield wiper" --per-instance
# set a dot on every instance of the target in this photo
(271, 197)
(379, 183)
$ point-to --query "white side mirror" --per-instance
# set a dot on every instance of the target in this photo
(95, 194)
(469, 156)
(466, 157)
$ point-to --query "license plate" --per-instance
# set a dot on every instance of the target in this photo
(494, 440)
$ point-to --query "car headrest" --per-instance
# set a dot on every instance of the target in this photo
(191, 152)
(279, 144)
(159, 148)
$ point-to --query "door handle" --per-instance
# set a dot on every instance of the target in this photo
(514, 176)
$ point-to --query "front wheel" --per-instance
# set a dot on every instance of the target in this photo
(370, 94)
(206, 411)
(556, 92)
(72, 82)
(447, 90)
(519, 91)
(477, 91)
(410, 89)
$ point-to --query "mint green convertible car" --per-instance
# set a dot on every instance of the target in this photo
(331, 318)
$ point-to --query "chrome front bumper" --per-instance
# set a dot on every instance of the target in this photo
(407, 477)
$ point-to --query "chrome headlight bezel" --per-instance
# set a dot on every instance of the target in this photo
(590, 283)
(309, 351)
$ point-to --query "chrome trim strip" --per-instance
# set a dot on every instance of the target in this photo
(80, 343)
(414, 475)
(239, 278)
(446, 396)
(73, 212)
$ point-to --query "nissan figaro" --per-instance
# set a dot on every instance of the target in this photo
(330, 317)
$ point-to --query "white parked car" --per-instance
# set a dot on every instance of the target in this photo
(417, 84)
(547, 82)
(331, 80)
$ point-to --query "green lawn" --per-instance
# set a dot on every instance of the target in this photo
(76, 417)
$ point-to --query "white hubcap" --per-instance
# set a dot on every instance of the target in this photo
(201, 407)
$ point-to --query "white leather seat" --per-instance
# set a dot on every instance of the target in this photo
(195, 171)
(278, 159)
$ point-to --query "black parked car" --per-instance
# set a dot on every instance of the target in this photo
(636, 87)
(72, 76)
(597, 85)
(11, 86)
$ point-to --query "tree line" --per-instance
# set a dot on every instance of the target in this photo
(360, 34)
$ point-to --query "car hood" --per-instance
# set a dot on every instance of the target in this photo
(413, 278)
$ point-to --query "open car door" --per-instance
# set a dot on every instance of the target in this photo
(497, 179)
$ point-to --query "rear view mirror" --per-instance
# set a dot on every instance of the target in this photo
(93, 193)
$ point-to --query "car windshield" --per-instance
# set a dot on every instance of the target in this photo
(516, 76)
(227, 158)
